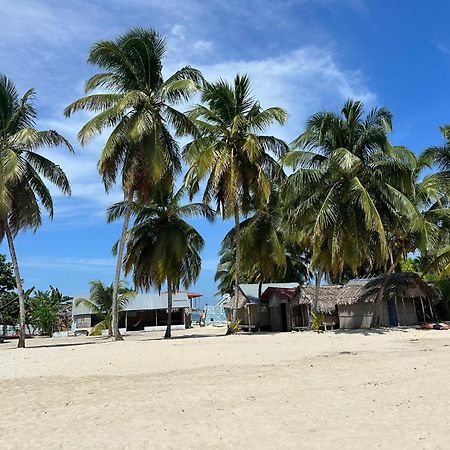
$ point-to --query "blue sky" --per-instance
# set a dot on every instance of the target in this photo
(304, 55)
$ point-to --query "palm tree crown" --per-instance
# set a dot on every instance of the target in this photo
(137, 104)
(22, 189)
(162, 245)
(347, 181)
(229, 151)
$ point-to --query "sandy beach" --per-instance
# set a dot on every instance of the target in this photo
(204, 390)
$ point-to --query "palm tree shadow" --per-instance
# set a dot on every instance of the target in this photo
(371, 331)
(186, 336)
(97, 341)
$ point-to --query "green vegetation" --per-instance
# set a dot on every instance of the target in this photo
(44, 308)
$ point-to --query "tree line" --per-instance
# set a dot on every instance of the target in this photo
(338, 201)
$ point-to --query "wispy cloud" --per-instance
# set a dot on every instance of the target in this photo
(76, 264)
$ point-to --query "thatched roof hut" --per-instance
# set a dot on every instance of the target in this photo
(403, 284)
(328, 297)
(407, 300)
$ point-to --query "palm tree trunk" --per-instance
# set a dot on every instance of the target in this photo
(123, 237)
(12, 251)
(259, 303)
(237, 224)
(168, 334)
(316, 294)
(379, 298)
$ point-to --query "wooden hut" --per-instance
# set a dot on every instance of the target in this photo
(303, 302)
(251, 314)
(278, 301)
(407, 300)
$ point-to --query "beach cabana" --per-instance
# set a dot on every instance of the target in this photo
(142, 312)
(407, 300)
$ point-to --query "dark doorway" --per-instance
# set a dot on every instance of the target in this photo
(392, 314)
(283, 317)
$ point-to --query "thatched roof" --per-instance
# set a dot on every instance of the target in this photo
(403, 284)
(328, 297)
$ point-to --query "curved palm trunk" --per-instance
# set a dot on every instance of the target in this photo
(168, 334)
(123, 237)
(12, 251)
(379, 298)
(237, 228)
(316, 295)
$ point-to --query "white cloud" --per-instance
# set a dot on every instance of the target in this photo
(302, 81)
(77, 264)
(203, 45)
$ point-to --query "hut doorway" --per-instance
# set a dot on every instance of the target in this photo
(392, 314)
(278, 317)
(284, 317)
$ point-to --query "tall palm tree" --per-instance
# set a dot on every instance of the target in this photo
(162, 247)
(138, 106)
(100, 303)
(348, 181)
(231, 154)
(22, 169)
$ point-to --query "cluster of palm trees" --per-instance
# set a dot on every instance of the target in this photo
(350, 204)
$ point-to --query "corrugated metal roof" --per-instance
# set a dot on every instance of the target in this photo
(139, 302)
(251, 290)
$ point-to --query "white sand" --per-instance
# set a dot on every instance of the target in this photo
(290, 390)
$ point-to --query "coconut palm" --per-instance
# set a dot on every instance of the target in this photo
(138, 105)
(22, 169)
(348, 182)
(162, 247)
(100, 303)
(230, 153)
(267, 254)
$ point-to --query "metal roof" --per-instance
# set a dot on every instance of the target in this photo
(139, 302)
(251, 290)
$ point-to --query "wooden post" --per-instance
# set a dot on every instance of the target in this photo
(248, 315)
(126, 320)
(423, 310)
(156, 317)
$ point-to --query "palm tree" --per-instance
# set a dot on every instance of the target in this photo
(100, 303)
(22, 167)
(348, 182)
(138, 106)
(162, 247)
(263, 243)
(230, 154)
